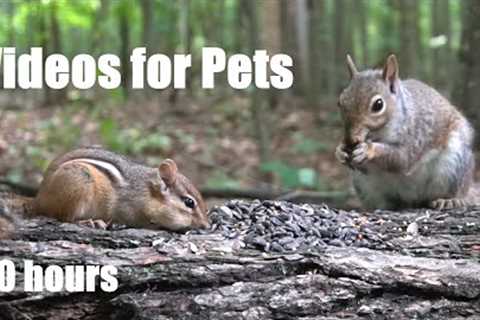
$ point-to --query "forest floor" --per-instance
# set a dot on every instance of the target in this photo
(212, 139)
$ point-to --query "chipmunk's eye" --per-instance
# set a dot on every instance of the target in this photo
(377, 105)
(189, 202)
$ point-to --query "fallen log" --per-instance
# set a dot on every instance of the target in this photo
(419, 264)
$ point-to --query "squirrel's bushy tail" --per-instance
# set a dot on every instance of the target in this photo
(13, 207)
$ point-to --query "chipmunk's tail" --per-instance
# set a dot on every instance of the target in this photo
(13, 207)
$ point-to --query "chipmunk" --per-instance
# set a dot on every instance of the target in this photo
(93, 184)
(406, 144)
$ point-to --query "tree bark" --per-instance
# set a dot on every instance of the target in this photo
(468, 84)
(343, 41)
(410, 52)
(124, 32)
(98, 27)
(147, 35)
(162, 275)
(441, 52)
(57, 96)
(361, 9)
(302, 24)
(10, 7)
(258, 106)
(41, 17)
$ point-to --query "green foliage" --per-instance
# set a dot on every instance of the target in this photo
(307, 146)
(131, 141)
(220, 179)
(36, 155)
(112, 137)
(60, 132)
(292, 177)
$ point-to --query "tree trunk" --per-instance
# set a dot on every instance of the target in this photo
(361, 9)
(388, 25)
(343, 41)
(441, 51)
(98, 27)
(410, 52)
(147, 36)
(389, 273)
(124, 32)
(258, 107)
(316, 86)
(271, 40)
(186, 35)
(43, 41)
(468, 85)
(302, 23)
(11, 41)
(57, 96)
(289, 38)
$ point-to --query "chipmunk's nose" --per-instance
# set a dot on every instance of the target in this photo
(205, 224)
(202, 223)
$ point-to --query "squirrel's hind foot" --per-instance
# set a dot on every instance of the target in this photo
(95, 224)
(452, 203)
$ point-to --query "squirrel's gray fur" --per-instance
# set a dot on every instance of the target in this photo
(417, 151)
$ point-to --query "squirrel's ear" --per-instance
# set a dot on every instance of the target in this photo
(351, 66)
(390, 72)
(168, 171)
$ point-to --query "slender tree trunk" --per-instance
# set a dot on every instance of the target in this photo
(343, 41)
(147, 35)
(408, 26)
(240, 22)
(258, 106)
(11, 27)
(441, 52)
(147, 27)
(468, 85)
(43, 41)
(98, 27)
(124, 32)
(58, 96)
(270, 38)
(361, 10)
(221, 32)
(389, 23)
(303, 45)
(316, 76)
(186, 39)
(289, 38)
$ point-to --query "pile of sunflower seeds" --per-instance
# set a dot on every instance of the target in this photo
(278, 226)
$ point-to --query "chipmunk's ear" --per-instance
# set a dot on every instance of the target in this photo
(168, 171)
(352, 69)
(390, 73)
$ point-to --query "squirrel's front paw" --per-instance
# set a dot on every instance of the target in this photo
(341, 154)
(361, 153)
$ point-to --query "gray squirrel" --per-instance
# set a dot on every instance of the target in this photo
(406, 144)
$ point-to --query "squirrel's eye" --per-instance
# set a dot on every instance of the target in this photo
(378, 105)
(189, 202)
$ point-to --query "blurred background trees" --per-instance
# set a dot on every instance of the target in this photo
(229, 138)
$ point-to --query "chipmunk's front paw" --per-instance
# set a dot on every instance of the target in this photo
(362, 152)
(341, 153)
(452, 203)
